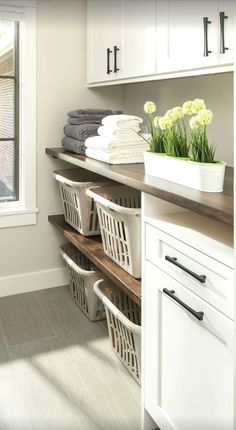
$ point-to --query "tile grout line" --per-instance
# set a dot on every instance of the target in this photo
(9, 347)
(60, 340)
(45, 312)
(2, 332)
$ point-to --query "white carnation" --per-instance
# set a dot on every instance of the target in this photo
(156, 121)
(204, 117)
(149, 107)
(187, 107)
(165, 122)
(177, 113)
(194, 123)
(197, 105)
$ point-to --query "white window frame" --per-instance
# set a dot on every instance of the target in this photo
(24, 211)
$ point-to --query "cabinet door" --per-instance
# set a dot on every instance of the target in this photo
(137, 54)
(188, 364)
(103, 33)
(227, 32)
(180, 35)
(127, 28)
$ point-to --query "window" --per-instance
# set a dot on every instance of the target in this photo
(17, 112)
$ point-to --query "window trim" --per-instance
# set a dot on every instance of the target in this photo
(23, 212)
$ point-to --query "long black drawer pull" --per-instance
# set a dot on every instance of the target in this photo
(205, 27)
(116, 49)
(109, 51)
(171, 293)
(222, 33)
(173, 260)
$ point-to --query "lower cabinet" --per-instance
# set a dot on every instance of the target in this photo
(188, 356)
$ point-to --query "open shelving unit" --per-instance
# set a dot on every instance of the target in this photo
(93, 249)
(216, 206)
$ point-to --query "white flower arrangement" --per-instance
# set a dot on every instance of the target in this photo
(187, 158)
(179, 138)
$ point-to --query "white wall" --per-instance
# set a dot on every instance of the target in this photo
(216, 90)
(29, 257)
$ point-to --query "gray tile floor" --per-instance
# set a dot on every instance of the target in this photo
(57, 370)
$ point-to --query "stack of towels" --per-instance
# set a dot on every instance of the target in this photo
(81, 124)
(118, 141)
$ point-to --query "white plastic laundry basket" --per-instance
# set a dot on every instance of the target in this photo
(79, 209)
(82, 276)
(124, 325)
(119, 213)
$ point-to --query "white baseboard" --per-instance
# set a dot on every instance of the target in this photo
(33, 281)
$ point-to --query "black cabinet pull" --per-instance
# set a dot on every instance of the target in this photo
(222, 33)
(171, 293)
(173, 260)
(205, 27)
(116, 49)
(109, 51)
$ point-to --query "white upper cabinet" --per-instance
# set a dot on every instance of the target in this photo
(227, 31)
(180, 26)
(120, 39)
(135, 40)
(138, 38)
(103, 34)
(191, 35)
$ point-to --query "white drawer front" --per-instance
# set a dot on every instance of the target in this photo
(188, 359)
(217, 288)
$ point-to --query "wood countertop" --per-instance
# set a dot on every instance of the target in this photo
(217, 206)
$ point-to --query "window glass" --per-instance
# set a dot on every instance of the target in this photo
(7, 170)
(7, 48)
(9, 110)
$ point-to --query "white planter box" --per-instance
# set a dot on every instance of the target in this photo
(200, 176)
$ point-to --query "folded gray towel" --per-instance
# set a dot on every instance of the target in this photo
(80, 112)
(81, 131)
(73, 145)
(86, 119)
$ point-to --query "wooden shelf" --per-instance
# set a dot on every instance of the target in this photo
(217, 206)
(93, 249)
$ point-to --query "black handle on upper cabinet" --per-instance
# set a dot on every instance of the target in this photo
(197, 314)
(205, 27)
(222, 33)
(173, 260)
(116, 49)
(109, 51)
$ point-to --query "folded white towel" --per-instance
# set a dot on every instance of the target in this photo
(122, 153)
(114, 158)
(123, 133)
(122, 121)
(107, 144)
